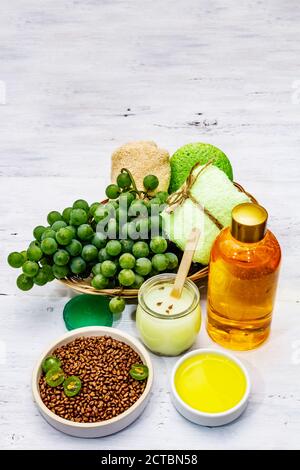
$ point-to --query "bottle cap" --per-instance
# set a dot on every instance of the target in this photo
(249, 222)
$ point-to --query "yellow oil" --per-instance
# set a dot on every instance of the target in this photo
(210, 383)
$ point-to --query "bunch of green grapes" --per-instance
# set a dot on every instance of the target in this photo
(119, 243)
(62, 248)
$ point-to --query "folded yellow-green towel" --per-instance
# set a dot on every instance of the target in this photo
(214, 190)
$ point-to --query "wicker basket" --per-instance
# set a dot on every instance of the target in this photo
(198, 272)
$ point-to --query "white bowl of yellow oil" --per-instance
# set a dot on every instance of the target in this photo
(210, 387)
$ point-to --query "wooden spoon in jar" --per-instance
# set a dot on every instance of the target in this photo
(185, 263)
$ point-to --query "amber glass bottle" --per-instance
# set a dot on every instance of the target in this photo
(243, 277)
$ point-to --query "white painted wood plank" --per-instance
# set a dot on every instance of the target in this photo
(84, 76)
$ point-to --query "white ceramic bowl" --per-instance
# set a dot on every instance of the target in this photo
(209, 419)
(102, 428)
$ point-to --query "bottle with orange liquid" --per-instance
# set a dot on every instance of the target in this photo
(243, 275)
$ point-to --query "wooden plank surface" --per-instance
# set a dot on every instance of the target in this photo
(80, 77)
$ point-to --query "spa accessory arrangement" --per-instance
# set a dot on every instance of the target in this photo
(165, 224)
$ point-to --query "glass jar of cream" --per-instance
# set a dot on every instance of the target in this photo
(168, 326)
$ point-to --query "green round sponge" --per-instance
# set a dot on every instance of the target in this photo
(187, 156)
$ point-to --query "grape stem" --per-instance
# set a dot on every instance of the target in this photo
(135, 189)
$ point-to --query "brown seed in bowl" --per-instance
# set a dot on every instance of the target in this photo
(102, 363)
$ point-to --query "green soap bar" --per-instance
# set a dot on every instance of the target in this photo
(214, 190)
(87, 310)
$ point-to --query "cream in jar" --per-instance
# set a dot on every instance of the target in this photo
(168, 326)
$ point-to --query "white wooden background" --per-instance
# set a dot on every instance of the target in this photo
(82, 77)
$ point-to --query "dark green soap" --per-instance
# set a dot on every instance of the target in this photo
(87, 310)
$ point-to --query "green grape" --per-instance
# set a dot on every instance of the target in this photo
(78, 217)
(99, 240)
(48, 233)
(47, 270)
(158, 245)
(162, 196)
(112, 191)
(60, 272)
(143, 226)
(96, 269)
(140, 249)
(15, 259)
(99, 281)
(89, 253)
(61, 257)
(53, 216)
(49, 245)
(123, 180)
(160, 262)
(93, 208)
(127, 261)
(34, 253)
(73, 230)
(102, 212)
(103, 255)
(41, 278)
(81, 204)
(85, 232)
(34, 243)
(143, 266)
(150, 182)
(116, 305)
(58, 224)
(113, 247)
(125, 199)
(24, 282)
(126, 245)
(126, 277)
(44, 261)
(172, 259)
(74, 248)
(30, 268)
(138, 281)
(77, 265)
(108, 268)
(38, 232)
(24, 255)
(66, 214)
(64, 236)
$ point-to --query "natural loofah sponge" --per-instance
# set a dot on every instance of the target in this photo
(219, 196)
(185, 158)
(142, 158)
